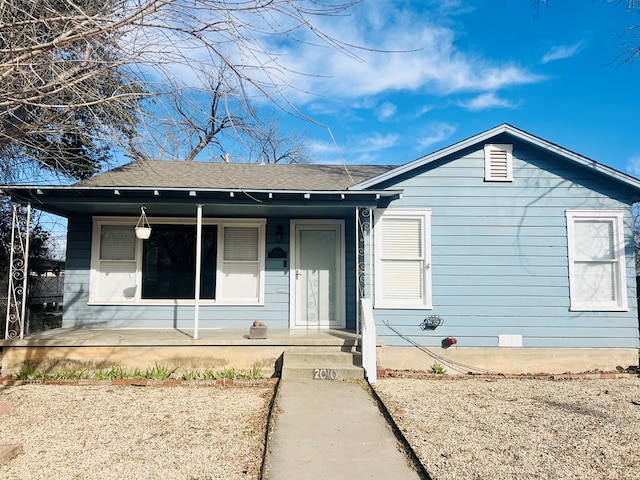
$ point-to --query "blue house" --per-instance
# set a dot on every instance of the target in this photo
(503, 252)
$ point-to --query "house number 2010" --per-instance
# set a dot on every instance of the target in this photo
(325, 374)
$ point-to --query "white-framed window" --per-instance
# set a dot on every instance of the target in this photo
(498, 162)
(114, 262)
(402, 258)
(597, 276)
(162, 269)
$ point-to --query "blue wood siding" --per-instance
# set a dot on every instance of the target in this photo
(274, 312)
(499, 254)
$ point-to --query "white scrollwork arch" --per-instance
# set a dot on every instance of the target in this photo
(18, 272)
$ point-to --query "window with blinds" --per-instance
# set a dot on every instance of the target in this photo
(128, 270)
(596, 260)
(498, 163)
(115, 277)
(402, 271)
(240, 263)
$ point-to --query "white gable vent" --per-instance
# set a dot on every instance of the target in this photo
(498, 162)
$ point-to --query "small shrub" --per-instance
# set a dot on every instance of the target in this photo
(437, 369)
(159, 372)
(30, 371)
(191, 375)
(73, 374)
(33, 371)
(254, 373)
(231, 373)
(226, 374)
(110, 373)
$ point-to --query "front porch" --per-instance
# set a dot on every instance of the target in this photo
(141, 348)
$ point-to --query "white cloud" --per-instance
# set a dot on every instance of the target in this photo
(374, 143)
(633, 166)
(436, 133)
(560, 52)
(486, 101)
(386, 111)
(361, 150)
(423, 57)
(406, 47)
(421, 111)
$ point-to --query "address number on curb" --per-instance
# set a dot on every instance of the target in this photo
(325, 374)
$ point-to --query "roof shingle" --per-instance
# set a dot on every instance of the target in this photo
(250, 176)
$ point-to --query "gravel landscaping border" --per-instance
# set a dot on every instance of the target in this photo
(107, 432)
(458, 427)
(519, 428)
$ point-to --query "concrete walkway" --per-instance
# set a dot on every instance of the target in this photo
(332, 430)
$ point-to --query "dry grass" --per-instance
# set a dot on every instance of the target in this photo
(460, 429)
(521, 428)
(105, 432)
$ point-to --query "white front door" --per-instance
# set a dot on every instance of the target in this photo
(317, 274)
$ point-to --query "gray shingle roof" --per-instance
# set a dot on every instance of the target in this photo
(176, 174)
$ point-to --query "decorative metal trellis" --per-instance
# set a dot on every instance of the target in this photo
(18, 272)
(364, 227)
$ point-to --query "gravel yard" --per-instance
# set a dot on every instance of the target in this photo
(110, 432)
(460, 428)
(521, 428)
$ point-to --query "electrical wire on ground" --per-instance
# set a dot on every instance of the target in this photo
(454, 365)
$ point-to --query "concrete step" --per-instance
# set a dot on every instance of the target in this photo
(315, 364)
(315, 355)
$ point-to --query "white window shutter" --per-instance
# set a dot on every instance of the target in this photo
(402, 238)
(241, 244)
(117, 242)
(240, 264)
(498, 162)
(116, 281)
(115, 275)
(402, 256)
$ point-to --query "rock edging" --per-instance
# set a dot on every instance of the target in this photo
(140, 382)
(387, 373)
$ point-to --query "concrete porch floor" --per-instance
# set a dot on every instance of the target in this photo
(86, 337)
(141, 348)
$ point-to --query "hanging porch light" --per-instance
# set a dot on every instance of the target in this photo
(143, 229)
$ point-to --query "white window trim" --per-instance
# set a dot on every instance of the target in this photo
(488, 149)
(617, 217)
(427, 298)
(98, 222)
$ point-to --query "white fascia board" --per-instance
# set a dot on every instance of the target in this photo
(157, 191)
(432, 157)
(483, 137)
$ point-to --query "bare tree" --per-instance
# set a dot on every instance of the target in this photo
(219, 120)
(630, 36)
(79, 76)
(61, 88)
(630, 47)
(189, 120)
(275, 147)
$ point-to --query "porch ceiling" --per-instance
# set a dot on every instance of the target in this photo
(74, 200)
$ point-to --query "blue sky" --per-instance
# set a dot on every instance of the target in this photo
(452, 69)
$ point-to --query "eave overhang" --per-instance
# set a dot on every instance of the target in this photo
(68, 201)
(504, 129)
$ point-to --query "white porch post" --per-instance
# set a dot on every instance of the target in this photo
(367, 322)
(368, 341)
(196, 307)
